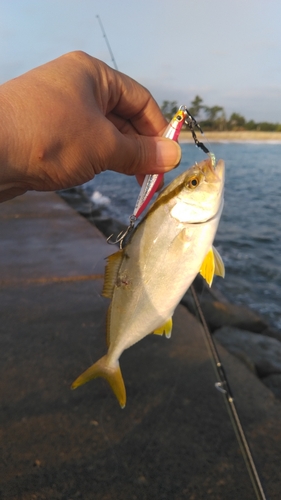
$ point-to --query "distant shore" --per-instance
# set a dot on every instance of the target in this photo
(239, 136)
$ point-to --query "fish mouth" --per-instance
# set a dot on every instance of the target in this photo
(220, 169)
(213, 173)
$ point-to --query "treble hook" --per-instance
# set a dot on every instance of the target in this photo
(122, 235)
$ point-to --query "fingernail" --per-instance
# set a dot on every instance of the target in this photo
(168, 154)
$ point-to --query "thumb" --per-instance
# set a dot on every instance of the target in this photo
(139, 154)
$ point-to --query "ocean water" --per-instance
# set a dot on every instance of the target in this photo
(249, 235)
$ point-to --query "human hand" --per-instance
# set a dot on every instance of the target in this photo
(75, 117)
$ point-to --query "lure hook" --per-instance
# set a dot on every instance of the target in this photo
(122, 235)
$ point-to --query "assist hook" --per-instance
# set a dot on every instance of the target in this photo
(122, 235)
(192, 124)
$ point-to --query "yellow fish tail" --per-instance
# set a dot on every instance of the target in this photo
(113, 376)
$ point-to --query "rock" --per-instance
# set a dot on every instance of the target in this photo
(70, 192)
(219, 314)
(270, 331)
(273, 382)
(79, 201)
(209, 293)
(261, 351)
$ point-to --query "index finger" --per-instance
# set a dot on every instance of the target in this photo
(132, 101)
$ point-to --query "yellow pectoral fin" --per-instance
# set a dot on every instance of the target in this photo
(219, 265)
(112, 375)
(165, 329)
(211, 265)
(111, 271)
(207, 269)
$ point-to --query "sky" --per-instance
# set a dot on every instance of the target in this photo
(226, 51)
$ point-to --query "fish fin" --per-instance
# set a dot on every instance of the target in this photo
(111, 270)
(211, 265)
(207, 269)
(112, 375)
(219, 265)
(165, 329)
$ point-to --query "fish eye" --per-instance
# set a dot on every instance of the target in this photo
(179, 118)
(193, 182)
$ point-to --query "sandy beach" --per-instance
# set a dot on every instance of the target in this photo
(237, 136)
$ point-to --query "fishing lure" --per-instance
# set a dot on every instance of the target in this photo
(153, 181)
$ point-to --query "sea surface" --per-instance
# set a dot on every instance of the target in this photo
(249, 235)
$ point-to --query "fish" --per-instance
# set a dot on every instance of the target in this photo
(147, 278)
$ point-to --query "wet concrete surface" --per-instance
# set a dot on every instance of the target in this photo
(174, 439)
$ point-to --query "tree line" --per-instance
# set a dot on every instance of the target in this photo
(214, 117)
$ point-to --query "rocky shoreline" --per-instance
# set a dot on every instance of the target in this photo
(240, 330)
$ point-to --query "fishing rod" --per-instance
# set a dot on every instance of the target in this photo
(222, 385)
(224, 388)
(107, 43)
